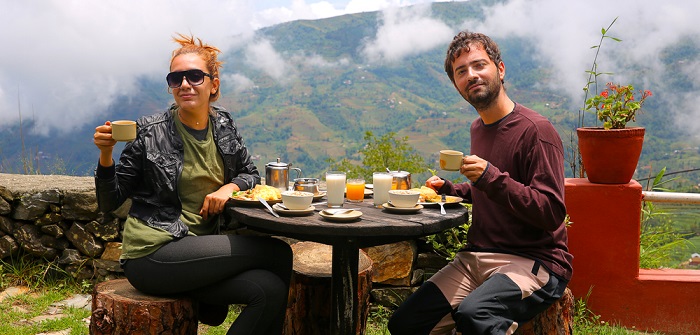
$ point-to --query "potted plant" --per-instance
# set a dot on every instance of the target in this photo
(609, 154)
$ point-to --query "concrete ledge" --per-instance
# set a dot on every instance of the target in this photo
(18, 184)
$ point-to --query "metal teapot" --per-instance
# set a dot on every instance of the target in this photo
(277, 174)
(401, 180)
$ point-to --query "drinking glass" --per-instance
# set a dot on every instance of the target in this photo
(335, 188)
(355, 189)
(382, 185)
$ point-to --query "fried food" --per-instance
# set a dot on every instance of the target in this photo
(427, 194)
(266, 192)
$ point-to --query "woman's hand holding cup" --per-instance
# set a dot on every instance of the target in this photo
(103, 137)
(104, 141)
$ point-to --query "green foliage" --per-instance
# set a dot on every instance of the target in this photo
(448, 242)
(24, 269)
(659, 239)
(616, 105)
(381, 153)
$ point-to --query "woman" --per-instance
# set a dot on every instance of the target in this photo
(179, 172)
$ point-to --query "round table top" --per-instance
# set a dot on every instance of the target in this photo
(376, 225)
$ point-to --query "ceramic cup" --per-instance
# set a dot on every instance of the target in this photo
(123, 130)
(450, 160)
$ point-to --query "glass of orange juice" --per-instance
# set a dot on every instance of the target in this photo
(355, 189)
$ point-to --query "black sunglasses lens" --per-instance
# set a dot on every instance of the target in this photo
(194, 77)
(174, 79)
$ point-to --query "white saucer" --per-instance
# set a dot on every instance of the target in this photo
(292, 212)
(401, 210)
(344, 217)
(320, 195)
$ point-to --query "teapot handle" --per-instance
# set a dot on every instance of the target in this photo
(298, 170)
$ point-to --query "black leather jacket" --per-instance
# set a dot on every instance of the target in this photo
(150, 166)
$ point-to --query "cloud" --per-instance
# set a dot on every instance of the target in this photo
(72, 58)
(262, 55)
(238, 81)
(406, 32)
(562, 32)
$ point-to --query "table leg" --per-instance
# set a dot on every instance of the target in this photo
(344, 302)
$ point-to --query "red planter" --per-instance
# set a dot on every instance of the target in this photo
(610, 156)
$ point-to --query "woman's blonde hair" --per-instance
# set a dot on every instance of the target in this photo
(190, 44)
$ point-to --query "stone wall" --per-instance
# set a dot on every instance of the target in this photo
(55, 218)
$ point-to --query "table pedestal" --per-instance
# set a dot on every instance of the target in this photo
(344, 300)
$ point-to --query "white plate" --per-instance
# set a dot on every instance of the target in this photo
(293, 212)
(449, 201)
(401, 210)
(320, 195)
(344, 217)
(369, 186)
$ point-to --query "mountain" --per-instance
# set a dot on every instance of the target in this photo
(330, 95)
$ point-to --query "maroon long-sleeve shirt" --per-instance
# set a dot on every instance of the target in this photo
(518, 202)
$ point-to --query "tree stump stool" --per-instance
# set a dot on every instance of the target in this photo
(558, 319)
(118, 308)
(309, 305)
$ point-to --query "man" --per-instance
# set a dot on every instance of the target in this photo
(516, 262)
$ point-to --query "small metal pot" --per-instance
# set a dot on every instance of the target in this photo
(401, 180)
(277, 174)
(306, 185)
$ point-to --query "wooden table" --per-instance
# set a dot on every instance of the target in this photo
(375, 227)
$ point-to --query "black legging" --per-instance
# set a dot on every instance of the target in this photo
(222, 270)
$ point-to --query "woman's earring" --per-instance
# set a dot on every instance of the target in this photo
(170, 91)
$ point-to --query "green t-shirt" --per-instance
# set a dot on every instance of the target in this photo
(202, 173)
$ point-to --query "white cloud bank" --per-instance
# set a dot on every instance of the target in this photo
(67, 59)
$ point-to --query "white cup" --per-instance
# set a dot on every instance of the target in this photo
(335, 188)
(450, 160)
(382, 185)
(123, 130)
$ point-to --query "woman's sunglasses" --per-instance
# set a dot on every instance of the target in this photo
(194, 77)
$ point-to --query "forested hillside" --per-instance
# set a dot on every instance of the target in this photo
(322, 108)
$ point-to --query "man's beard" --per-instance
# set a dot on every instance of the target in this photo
(483, 99)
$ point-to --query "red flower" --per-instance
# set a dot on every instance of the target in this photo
(604, 94)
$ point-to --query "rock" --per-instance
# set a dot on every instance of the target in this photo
(431, 260)
(42, 318)
(31, 206)
(83, 240)
(28, 237)
(53, 230)
(80, 206)
(108, 231)
(7, 225)
(393, 263)
(48, 218)
(5, 207)
(76, 301)
(392, 296)
(418, 277)
(112, 266)
(13, 292)
(112, 252)
(8, 246)
(52, 242)
(6, 194)
(79, 272)
(71, 256)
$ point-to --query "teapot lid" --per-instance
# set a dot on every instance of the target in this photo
(400, 173)
(277, 164)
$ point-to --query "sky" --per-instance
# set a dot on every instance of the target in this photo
(64, 61)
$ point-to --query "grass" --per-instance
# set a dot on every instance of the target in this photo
(16, 313)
